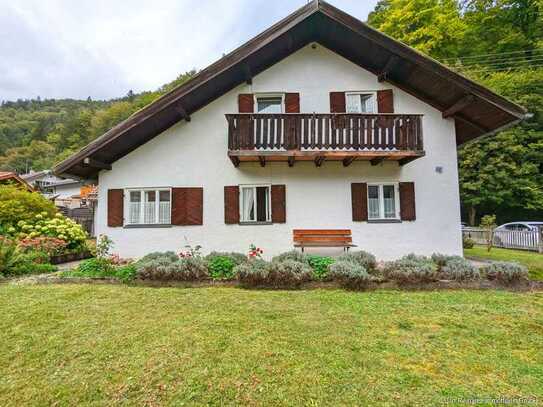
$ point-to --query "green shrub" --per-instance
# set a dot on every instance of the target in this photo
(126, 273)
(411, 269)
(506, 272)
(320, 265)
(93, 268)
(169, 257)
(58, 227)
(221, 267)
(350, 275)
(14, 262)
(162, 268)
(458, 268)
(467, 242)
(278, 274)
(294, 255)
(10, 256)
(17, 205)
(362, 258)
(29, 267)
(237, 258)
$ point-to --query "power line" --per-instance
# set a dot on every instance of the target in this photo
(496, 53)
(525, 62)
(500, 60)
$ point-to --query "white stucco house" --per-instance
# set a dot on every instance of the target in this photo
(320, 122)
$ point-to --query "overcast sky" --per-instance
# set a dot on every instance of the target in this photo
(103, 48)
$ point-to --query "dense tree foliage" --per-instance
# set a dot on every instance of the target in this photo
(498, 43)
(35, 134)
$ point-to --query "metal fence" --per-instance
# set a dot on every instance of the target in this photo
(508, 239)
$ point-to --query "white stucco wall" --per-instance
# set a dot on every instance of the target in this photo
(195, 154)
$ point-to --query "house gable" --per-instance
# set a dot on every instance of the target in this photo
(316, 22)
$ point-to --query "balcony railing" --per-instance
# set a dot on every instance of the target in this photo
(314, 135)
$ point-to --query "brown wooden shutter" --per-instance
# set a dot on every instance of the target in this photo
(246, 103)
(407, 201)
(337, 102)
(292, 103)
(359, 199)
(187, 206)
(278, 203)
(115, 207)
(385, 101)
(231, 204)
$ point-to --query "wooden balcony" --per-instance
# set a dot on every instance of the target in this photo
(320, 137)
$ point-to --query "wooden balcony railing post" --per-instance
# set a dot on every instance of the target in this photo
(327, 131)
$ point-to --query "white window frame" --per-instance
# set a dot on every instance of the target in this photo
(142, 191)
(268, 204)
(269, 95)
(365, 92)
(380, 185)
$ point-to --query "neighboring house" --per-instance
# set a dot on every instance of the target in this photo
(13, 178)
(320, 122)
(64, 192)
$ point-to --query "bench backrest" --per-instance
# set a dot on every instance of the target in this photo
(322, 236)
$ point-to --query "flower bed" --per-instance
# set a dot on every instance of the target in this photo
(358, 270)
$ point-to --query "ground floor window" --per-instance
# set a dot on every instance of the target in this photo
(255, 203)
(383, 201)
(148, 206)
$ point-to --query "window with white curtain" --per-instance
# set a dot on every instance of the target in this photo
(255, 203)
(269, 104)
(383, 201)
(360, 102)
(148, 207)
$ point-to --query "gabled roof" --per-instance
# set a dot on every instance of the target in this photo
(13, 177)
(477, 110)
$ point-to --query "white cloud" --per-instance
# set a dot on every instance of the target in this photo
(100, 48)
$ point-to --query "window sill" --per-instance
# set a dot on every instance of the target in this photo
(384, 221)
(147, 226)
(255, 223)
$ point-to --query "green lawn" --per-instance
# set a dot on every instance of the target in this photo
(532, 260)
(120, 345)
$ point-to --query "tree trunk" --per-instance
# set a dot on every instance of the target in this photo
(472, 211)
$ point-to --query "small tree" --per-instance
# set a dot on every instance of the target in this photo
(488, 223)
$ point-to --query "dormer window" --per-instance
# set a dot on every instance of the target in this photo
(360, 102)
(269, 104)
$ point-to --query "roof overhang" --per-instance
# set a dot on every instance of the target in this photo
(477, 111)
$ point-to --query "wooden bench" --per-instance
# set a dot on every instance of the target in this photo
(323, 238)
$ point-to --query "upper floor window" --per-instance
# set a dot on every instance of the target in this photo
(383, 201)
(360, 102)
(272, 103)
(148, 207)
(255, 203)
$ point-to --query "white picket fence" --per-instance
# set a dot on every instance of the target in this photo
(509, 239)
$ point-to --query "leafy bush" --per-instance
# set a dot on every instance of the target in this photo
(458, 268)
(237, 258)
(10, 256)
(163, 268)
(14, 262)
(467, 242)
(59, 227)
(49, 245)
(126, 273)
(17, 205)
(506, 272)
(220, 267)
(94, 268)
(350, 275)
(293, 255)
(278, 274)
(362, 258)
(161, 256)
(441, 259)
(320, 265)
(411, 269)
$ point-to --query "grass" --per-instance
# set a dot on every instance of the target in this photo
(120, 345)
(532, 260)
